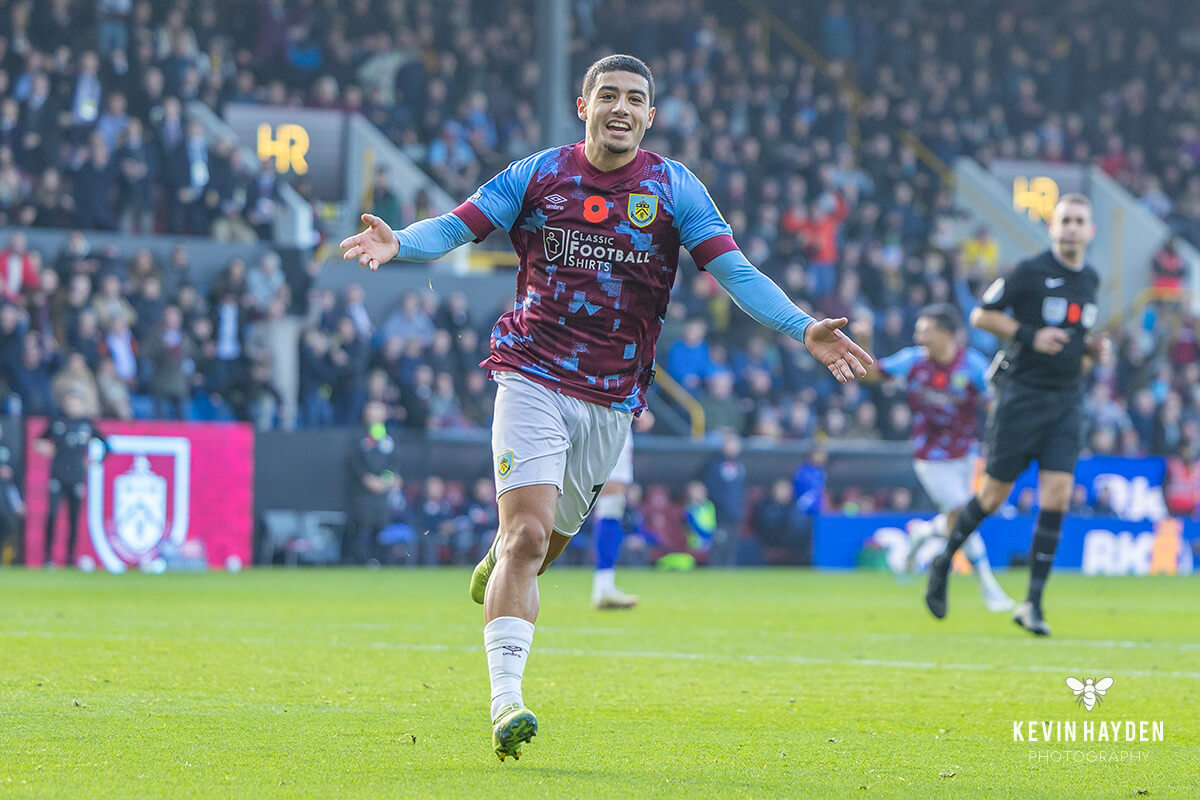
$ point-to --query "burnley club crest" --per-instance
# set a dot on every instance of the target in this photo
(643, 208)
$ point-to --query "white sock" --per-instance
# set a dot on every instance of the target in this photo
(976, 553)
(507, 641)
(603, 581)
(940, 528)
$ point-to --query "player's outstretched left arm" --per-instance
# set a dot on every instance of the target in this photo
(766, 303)
(427, 240)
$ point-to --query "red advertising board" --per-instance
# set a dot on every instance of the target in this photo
(184, 489)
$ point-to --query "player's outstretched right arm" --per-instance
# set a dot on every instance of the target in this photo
(427, 240)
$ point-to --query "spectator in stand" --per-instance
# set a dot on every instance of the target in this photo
(148, 307)
(122, 348)
(809, 483)
(137, 169)
(265, 280)
(354, 308)
(779, 524)
(436, 524)
(722, 408)
(699, 518)
(351, 353)
(689, 361)
(483, 519)
(1182, 485)
(1168, 269)
(725, 482)
(31, 377)
(19, 268)
(980, 255)
(109, 303)
(409, 321)
(76, 378)
(172, 353)
(317, 376)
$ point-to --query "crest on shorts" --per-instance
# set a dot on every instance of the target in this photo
(1054, 310)
(643, 208)
(504, 464)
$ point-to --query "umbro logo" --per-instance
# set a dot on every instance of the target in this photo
(556, 198)
(1054, 283)
(513, 650)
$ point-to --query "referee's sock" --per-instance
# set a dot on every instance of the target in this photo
(968, 520)
(1045, 542)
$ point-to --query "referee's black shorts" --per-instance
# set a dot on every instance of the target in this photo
(1032, 424)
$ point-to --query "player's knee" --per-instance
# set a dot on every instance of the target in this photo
(1054, 494)
(991, 496)
(525, 539)
(1058, 501)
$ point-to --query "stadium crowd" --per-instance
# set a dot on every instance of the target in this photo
(1086, 81)
(824, 193)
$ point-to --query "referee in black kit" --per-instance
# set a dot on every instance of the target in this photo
(67, 440)
(1047, 307)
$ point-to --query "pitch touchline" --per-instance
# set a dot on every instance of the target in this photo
(1024, 641)
(643, 654)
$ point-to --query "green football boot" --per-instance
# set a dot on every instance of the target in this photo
(483, 571)
(513, 727)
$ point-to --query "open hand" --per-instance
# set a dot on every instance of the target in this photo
(374, 246)
(837, 351)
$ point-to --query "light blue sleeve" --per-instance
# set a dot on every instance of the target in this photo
(758, 295)
(696, 215)
(900, 363)
(501, 198)
(430, 239)
(977, 364)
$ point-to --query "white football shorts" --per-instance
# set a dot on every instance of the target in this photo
(542, 437)
(623, 471)
(947, 482)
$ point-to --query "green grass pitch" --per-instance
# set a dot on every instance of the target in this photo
(354, 684)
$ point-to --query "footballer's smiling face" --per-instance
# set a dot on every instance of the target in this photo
(617, 112)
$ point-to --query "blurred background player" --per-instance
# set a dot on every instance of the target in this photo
(67, 440)
(598, 226)
(946, 387)
(1047, 307)
(608, 530)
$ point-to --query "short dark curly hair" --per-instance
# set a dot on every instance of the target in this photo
(617, 63)
(944, 315)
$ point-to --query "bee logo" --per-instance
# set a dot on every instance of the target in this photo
(1089, 692)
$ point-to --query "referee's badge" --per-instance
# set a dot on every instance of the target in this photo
(643, 208)
(1054, 310)
(504, 464)
(995, 291)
